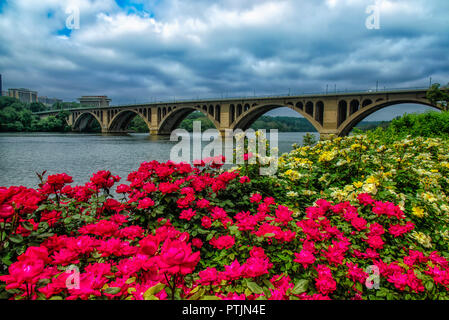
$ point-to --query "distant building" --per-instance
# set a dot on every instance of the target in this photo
(48, 101)
(24, 95)
(95, 101)
(5, 93)
(1, 87)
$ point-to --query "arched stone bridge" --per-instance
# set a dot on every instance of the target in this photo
(328, 113)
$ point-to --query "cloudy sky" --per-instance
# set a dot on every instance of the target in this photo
(139, 51)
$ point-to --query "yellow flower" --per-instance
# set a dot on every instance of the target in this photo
(326, 156)
(419, 212)
(370, 188)
(358, 184)
(429, 197)
(372, 180)
(422, 238)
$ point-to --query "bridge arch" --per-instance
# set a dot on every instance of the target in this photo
(122, 119)
(172, 120)
(246, 119)
(348, 124)
(85, 120)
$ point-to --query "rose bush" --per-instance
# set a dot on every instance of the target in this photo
(412, 173)
(176, 231)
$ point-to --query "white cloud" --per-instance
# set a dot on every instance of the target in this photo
(189, 47)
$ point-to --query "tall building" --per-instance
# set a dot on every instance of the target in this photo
(24, 95)
(1, 87)
(95, 101)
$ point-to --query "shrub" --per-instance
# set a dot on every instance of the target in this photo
(183, 232)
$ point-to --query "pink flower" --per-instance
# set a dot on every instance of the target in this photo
(325, 283)
(177, 257)
(359, 223)
(247, 156)
(365, 199)
(196, 242)
(389, 209)
(283, 215)
(375, 242)
(376, 229)
(256, 198)
(305, 258)
(223, 242)
(167, 187)
(244, 179)
(202, 203)
(355, 273)
(256, 267)
(233, 271)
(23, 271)
(245, 221)
(206, 222)
(6, 211)
(149, 245)
(145, 203)
(187, 214)
(123, 188)
(208, 276)
(398, 230)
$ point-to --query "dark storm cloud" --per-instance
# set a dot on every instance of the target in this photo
(143, 50)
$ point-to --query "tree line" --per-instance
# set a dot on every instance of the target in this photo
(16, 116)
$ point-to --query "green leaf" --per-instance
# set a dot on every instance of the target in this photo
(268, 284)
(301, 286)
(27, 225)
(197, 294)
(16, 238)
(112, 290)
(153, 290)
(254, 287)
(45, 235)
(210, 298)
(130, 280)
(429, 285)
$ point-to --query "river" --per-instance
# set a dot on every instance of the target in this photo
(80, 155)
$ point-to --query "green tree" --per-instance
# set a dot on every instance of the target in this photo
(437, 94)
(37, 107)
(7, 101)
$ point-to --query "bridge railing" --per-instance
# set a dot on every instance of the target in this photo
(226, 97)
(275, 95)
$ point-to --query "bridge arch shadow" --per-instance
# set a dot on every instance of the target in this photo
(85, 122)
(246, 119)
(366, 109)
(120, 122)
(172, 120)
